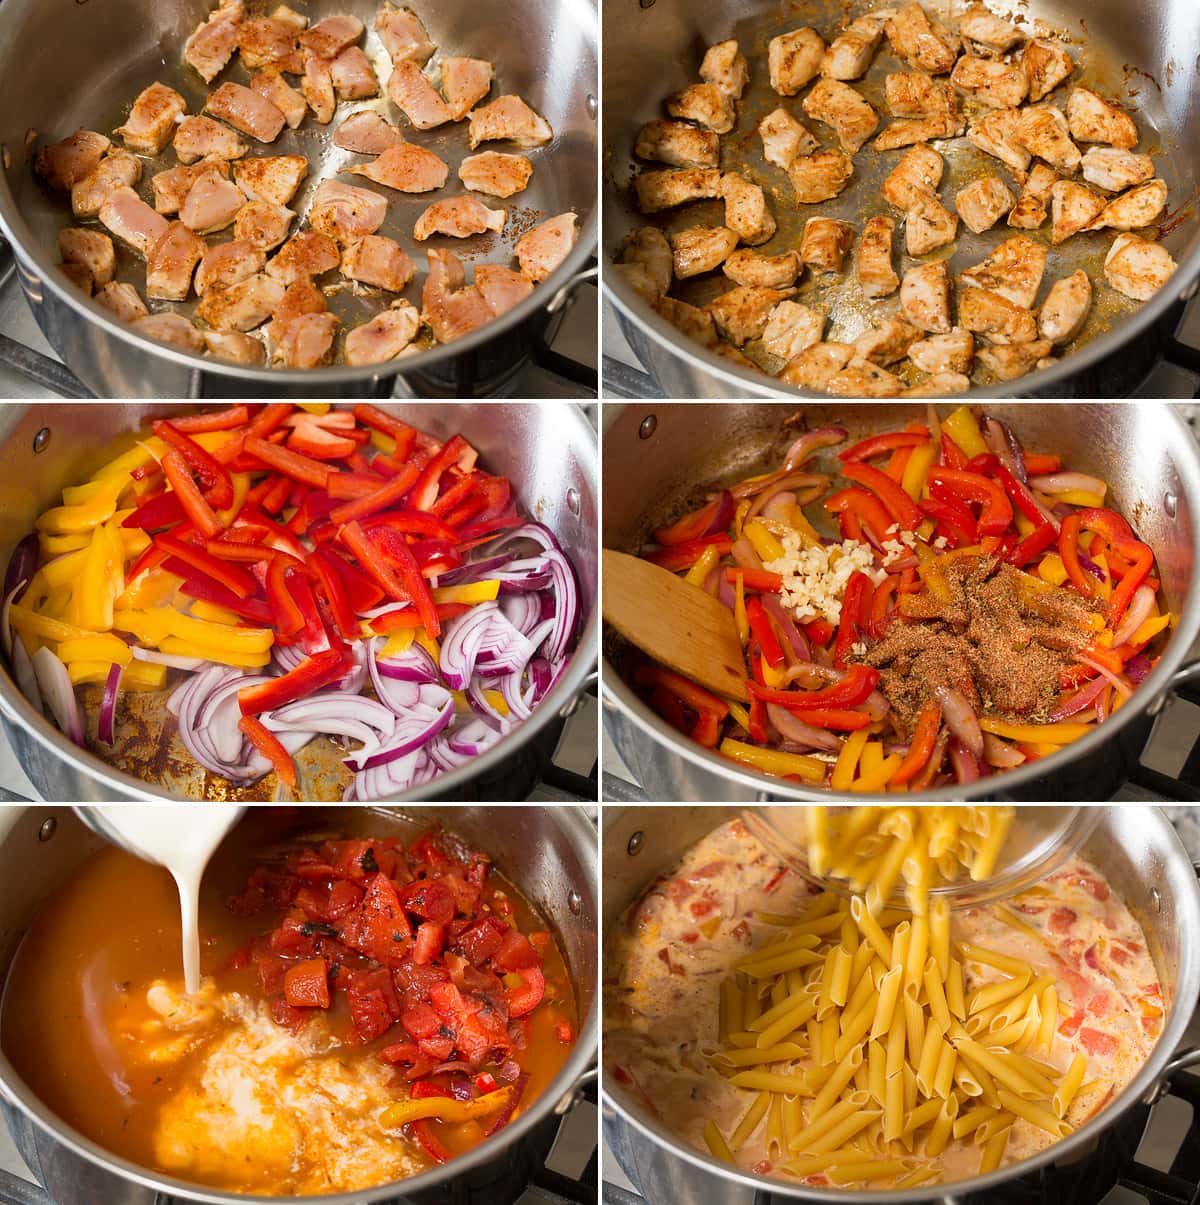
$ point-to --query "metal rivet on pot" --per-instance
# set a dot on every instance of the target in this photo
(575, 902)
(1170, 505)
(635, 844)
(41, 441)
(649, 426)
(48, 829)
(573, 500)
(646, 3)
(1156, 899)
(592, 107)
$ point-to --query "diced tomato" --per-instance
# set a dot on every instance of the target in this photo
(421, 1021)
(1097, 1042)
(294, 938)
(370, 1012)
(430, 940)
(1070, 1027)
(482, 939)
(515, 953)
(287, 1015)
(306, 985)
(1061, 920)
(379, 929)
(430, 899)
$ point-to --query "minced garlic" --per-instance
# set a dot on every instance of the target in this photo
(814, 579)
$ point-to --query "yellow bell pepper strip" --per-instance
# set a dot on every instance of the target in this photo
(241, 487)
(215, 614)
(471, 593)
(155, 626)
(1149, 629)
(133, 542)
(137, 675)
(314, 407)
(137, 457)
(445, 1108)
(64, 570)
(1061, 733)
(497, 701)
(30, 623)
(698, 573)
(774, 761)
(740, 714)
(879, 777)
(429, 644)
(1052, 569)
(205, 652)
(847, 762)
(78, 495)
(398, 643)
(101, 580)
(739, 607)
(83, 672)
(153, 588)
(1080, 498)
(917, 469)
(964, 430)
(54, 546)
(72, 520)
(101, 647)
(762, 541)
(871, 759)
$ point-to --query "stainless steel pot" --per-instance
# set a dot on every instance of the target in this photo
(66, 64)
(550, 853)
(651, 49)
(657, 459)
(1143, 859)
(547, 449)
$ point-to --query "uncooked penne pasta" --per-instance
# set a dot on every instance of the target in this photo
(993, 1151)
(1068, 1086)
(1038, 1115)
(716, 1144)
(988, 851)
(939, 1135)
(885, 1007)
(750, 1121)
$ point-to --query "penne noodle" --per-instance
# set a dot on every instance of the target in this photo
(918, 952)
(876, 1073)
(939, 1135)
(927, 1063)
(842, 1132)
(885, 1004)
(1038, 1115)
(730, 1018)
(955, 1000)
(818, 840)
(775, 1142)
(939, 934)
(750, 1121)
(839, 975)
(817, 1126)
(935, 991)
(992, 958)
(793, 1120)
(772, 1081)
(943, 1077)
(893, 1107)
(830, 1032)
(914, 1024)
(988, 851)
(875, 1169)
(1003, 1068)
(1068, 1086)
(997, 993)
(895, 1044)
(1049, 1003)
(922, 1115)
(716, 1144)
(869, 927)
(901, 936)
(993, 1151)
(842, 1074)
(814, 1165)
(856, 1030)
(969, 1122)
(755, 1056)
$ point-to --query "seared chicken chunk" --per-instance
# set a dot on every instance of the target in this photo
(306, 254)
(747, 267)
(983, 203)
(64, 164)
(508, 117)
(688, 319)
(1014, 269)
(449, 306)
(242, 306)
(385, 336)
(1093, 119)
(151, 121)
(458, 217)
(270, 42)
(816, 365)
(996, 84)
(91, 248)
(307, 341)
(171, 262)
(995, 317)
(133, 221)
(920, 43)
(1029, 213)
(172, 328)
(941, 384)
(1042, 130)
(122, 300)
(495, 173)
(501, 288)
(791, 328)
(873, 261)
(646, 262)
(820, 177)
(1114, 169)
(928, 225)
(952, 351)
(212, 204)
(917, 94)
(1073, 207)
(1046, 64)
(742, 313)
(660, 190)
(726, 68)
(367, 133)
(299, 298)
(345, 212)
(677, 143)
(234, 347)
(246, 110)
(263, 224)
(1007, 363)
(212, 43)
(79, 275)
(406, 168)
(838, 105)
(925, 296)
(270, 85)
(544, 247)
(378, 261)
(353, 76)
(228, 263)
(986, 30)
(862, 378)
(403, 36)
(784, 139)
(850, 53)
(907, 131)
(409, 89)
(317, 86)
(746, 210)
(331, 35)
(172, 186)
(918, 174)
(700, 249)
(728, 352)
(1066, 308)
(274, 179)
(1134, 209)
(1136, 267)
(824, 244)
(705, 104)
(793, 60)
(997, 133)
(200, 137)
(887, 344)
(465, 82)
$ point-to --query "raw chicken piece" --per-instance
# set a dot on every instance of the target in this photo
(1073, 208)
(502, 288)
(953, 351)
(995, 317)
(746, 210)
(919, 42)
(410, 91)
(746, 267)
(465, 82)
(918, 174)
(317, 86)
(887, 344)
(132, 220)
(212, 204)
(695, 323)
(983, 203)
(307, 341)
(1046, 64)
(678, 144)
(862, 378)
(742, 313)
(367, 133)
(495, 173)
(122, 300)
(213, 42)
(986, 30)
(928, 225)
(270, 85)
(1014, 269)
(171, 262)
(305, 255)
(925, 296)
(820, 177)
(64, 164)
(705, 104)
(544, 247)
(1134, 209)
(791, 328)
(151, 121)
(299, 298)
(996, 133)
(379, 261)
(1007, 363)
(917, 94)
(406, 168)
(824, 244)
(816, 366)
(228, 263)
(269, 42)
(660, 190)
(458, 217)
(941, 384)
(172, 328)
(841, 107)
(1093, 119)
(850, 53)
(996, 84)
(1029, 213)
(345, 212)
(385, 336)
(508, 117)
(263, 224)
(700, 249)
(1066, 308)
(907, 131)
(352, 74)
(234, 347)
(331, 35)
(1115, 169)
(1042, 130)
(274, 178)
(403, 36)
(91, 248)
(647, 262)
(172, 186)
(873, 263)
(1136, 267)
(784, 139)
(245, 110)
(242, 306)
(200, 137)
(794, 59)
(449, 307)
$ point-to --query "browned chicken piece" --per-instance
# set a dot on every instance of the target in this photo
(862, 378)
(700, 249)
(245, 110)
(1046, 64)
(79, 275)
(275, 178)
(1114, 169)
(995, 317)
(1042, 130)
(465, 82)
(263, 224)
(243, 306)
(122, 300)
(91, 248)
(495, 173)
(64, 164)
(450, 307)
(307, 341)
(646, 262)
(458, 217)
(410, 90)
(995, 84)
(907, 131)
(306, 254)
(917, 94)
(918, 174)
(508, 118)
(234, 347)
(270, 42)
(1014, 269)
(228, 263)
(824, 244)
(925, 296)
(688, 320)
(171, 262)
(1073, 207)
(385, 336)
(212, 204)
(172, 186)
(928, 225)
(784, 139)
(367, 133)
(873, 261)
(1007, 363)
(941, 384)
(127, 216)
(544, 247)
(1030, 212)
(212, 43)
(850, 53)
(347, 213)
(378, 261)
(888, 343)
(746, 211)
(952, 351)
(151, 121)
(705, 104)
(725, 67)
(660, 190)
(820, 177)
(843, 109)
(816, 366)
(1136, 267)
(747, 267)
(919, 42)
(501, 288)
(406, 168)
(198, 137)
(728, 352)
(331, 35)
(270, 85)
(1135, 209)
(352, 74)
(742, 313)
(1066, 308)
(794, 59)
(1093, 119)
(791, 329)
(172, 328)
(403, 36)
(301, 297)
(983, 203)
(988, 31)
(316, 84)
(678, 144)
(996, 134)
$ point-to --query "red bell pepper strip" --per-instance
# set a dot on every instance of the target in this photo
(881, 605)
(232, 577)
(268, 419)
(1020, 495)
(425, 492)
(819, 631)
(852, 690)
(854, 615)
(309, 676)
(1037, 463)
(275, 499)
(1033, 545)
(486, 528)
(355, 539)
(760, 628)
(163, 510)
(1143, 561)
(313, 636)
(422, 1131)
(758, 710)
(288, 618)
(215, 420)
(861, 507)
(310, 437)
(837, 719)
(386, 494)
(381, 421)
(900, 506)
(953, 517)
(876, 445)
(196, 586)
(326, 567)
(709, 708)
(267, 743)
(709, 519)
(362, 592)
(920, 748)
(997, 510)
(392, 545)
(218, 488)
(291, 464)
(760, 580)
(986, 463)
(409, 617)
(243, 551)
(344, 486)
(199, 512)
(952, 455)
(680, 556)
(460, 492)
(1105, 523)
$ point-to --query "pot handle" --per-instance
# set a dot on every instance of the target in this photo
(589, 275)
(1181, 1060)
(1186, 674)
(15, 1191)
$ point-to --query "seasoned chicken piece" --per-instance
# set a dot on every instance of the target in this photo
(465, 82)
(665, 189)
(725, 67)
(172, 186)
(172, 328)
(270, 85)
(695, 323)
(410, 91)
(316, 84)
(122, 300)
(996, 133)
(918, 174)
(305, 255)
(646, 262)
(747, 267)
(352, 74)
(1046, 64)
(234, 347)
(449, 306)
(784, 139)
(919, 42)
(1042, 130)
(705, 104)
(228, 263)
(916, 94)
(544, 247)
(728, 352)
(677, 143)
(501, 288)
(132, 220)
(986, 30)
(824, 244)
(815, 366)
(495, 173)
(301, 297)
(791, 328)
(403, 36)
(307, 341)
(820, 177)
(199, 137)
(1134, 209)
(508, 117)
(742, 313)
(171, 262)
(953, 351)
(850, 53)
(873, 263)
(995, 317)
(1008, 362)
(887, 344)
(242, 306)
(928, 225)
(378, 261)
(212, 43)
(925, 296)
(996, 84)
(862, 378)
(151, 121)
(269, 42)
(1014, 269)
(64, 164)
(263, 224)
(212, 204)
(458, 217)
(746, 210)
(245, 110)
(1073, 208)
(983, 203)
(1029, 213)
(793, 60)
(367, 133)
(79, 275)
(838, 105)
(406, 168)
(1136, 267)
(91, 248)
(941, 384)
(700, 249)
(385, 336)
(1115, 169)
(274, 178)
(1066, 308)
(907, 131)
(1093, 119)
(331, 35)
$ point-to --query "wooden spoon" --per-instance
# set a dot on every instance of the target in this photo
(677, 624)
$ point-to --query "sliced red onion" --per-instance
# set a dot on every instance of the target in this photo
(1089, 566)
(726, 591)
(541, 675)
(23, 671)
(473, 571)
(792, 728)
(173, 660)
(472, 738)
(108, 705)
(745, 556)
(1116, 681)
(412, 732)
(413, 665)
(793, 639)
(487, 713)
(521, 610)
(566, 612)
(1140, 606)
(22, 565)
(510, 688)
(965, 763)
(529, 531)
(1000, 753)
(461, 643)
(1136, 668)
(876, 706)
(810, 442)
(6, 634)
(1061, 483)
(383, 609)
(961, 719)
(1085, 696)
(59, 694)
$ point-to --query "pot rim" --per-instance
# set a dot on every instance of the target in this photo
(554, 1098)
(1147, 698)
(1143, 1083)
(581, 663)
